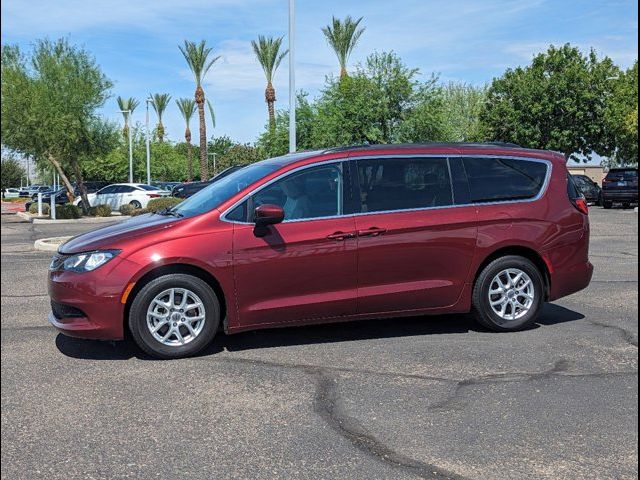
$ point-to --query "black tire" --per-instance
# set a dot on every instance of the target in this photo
(600, 201)
(482, 310)
(81, 205)
(138, 316)
(135, 204)
(607, 204)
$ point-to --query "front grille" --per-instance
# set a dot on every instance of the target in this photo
(60, 310)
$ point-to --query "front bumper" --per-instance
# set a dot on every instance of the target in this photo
(84, 308)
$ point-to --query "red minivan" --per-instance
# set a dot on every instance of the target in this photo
(334, 235)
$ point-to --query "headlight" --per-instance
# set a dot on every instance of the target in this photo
(82, 262)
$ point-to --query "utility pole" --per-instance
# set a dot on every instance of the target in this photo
(148, 147)
(292, 77)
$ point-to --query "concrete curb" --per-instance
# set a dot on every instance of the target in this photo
(50, 244)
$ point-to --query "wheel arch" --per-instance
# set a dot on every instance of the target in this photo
(170, 268)
(522, 251)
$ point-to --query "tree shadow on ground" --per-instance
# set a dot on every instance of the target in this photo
(313, 334)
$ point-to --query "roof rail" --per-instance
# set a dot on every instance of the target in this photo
(427, 144)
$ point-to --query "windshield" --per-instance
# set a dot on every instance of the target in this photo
(216, 193)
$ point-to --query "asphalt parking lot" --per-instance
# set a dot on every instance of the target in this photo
(431, 397)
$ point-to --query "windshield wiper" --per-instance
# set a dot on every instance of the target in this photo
(169, 211)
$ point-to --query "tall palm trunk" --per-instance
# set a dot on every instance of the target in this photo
(204, 174)
(343, 72)
(270, 98)
(187, 137)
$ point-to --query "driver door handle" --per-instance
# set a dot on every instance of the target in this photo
(339, 236)
(372, 232)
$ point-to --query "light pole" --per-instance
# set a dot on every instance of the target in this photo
(214, 162)
(292, 78)
(127, 114)
(148, 147)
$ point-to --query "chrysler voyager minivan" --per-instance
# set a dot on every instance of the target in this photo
(335, 235)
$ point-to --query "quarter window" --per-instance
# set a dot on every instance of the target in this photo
(504, 179)
(313, 193)
(388, 184)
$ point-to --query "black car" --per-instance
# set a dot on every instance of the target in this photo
(590, 189)
(620, 185)
(61, 198)
(187, 189)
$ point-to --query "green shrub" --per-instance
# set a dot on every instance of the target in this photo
(100, 211)
(158, 204)
(127, 209)
(46, 208)
(67, 211)
(138, 211)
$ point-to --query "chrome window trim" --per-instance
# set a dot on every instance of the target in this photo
(540, 194)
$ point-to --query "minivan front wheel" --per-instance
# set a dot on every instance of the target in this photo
(174, 316)
(508, 294)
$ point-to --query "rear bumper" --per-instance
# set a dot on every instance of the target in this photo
(570, 280)
(620, 195)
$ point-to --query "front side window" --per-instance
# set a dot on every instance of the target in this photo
(313, 193)
(504, 179)
(108, 190)
(389, 184)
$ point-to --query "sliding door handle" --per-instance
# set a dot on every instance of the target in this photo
(371, 232)
(339, 236)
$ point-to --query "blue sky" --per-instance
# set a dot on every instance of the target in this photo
(135, 42)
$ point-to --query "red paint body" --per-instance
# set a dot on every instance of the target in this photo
(332, 269)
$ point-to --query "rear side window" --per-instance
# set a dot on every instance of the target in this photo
(389, 184)
(504, 179)
(573, 191)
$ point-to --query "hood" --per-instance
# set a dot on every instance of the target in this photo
(111, 236)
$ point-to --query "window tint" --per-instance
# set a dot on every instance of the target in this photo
(617, 175)
(106, 190)
(502, 179)
(312, 193)
(404, 184)
(126, 189)
(142, 186)
(238, 214)
(573, 191)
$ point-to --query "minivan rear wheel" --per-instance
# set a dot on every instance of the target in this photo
(174, 316)
(508, 294)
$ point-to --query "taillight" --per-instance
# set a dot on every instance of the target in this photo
(153, 195)
(581, 204)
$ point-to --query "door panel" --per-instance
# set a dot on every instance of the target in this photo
(414, 248)
(420, 261)
(295, 272)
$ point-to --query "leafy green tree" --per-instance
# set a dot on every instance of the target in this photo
(12, 173)
(127, 106)
(343, 36)
(200, 60)
(622, 117)
(160, 103)
(273, 143)
(49, 106)
(267, 51)
(556, 103)
(187, 107)
(461, 106)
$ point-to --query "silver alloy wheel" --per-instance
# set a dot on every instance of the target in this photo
(176, 317)
(511, 294)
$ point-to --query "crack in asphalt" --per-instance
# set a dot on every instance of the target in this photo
(627, 335)
(327, 405)
(37, 295)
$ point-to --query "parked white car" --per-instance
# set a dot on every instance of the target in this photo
(11, 193)
(135, 194)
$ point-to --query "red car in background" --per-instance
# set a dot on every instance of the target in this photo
(334, 235)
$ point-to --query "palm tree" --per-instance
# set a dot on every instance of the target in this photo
(127, 106)
(267, 50)
(159, 104)
(199, 59)
(187, 107)
(343, 37)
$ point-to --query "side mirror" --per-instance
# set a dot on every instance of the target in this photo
(266, 215)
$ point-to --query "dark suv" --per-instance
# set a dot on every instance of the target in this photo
(620, 185)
